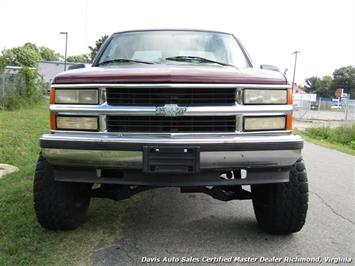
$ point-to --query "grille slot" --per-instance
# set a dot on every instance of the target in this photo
(162, 124)
(180, 96)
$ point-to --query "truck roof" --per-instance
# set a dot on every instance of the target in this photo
(196, 30)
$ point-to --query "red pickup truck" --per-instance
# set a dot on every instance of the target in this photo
(171, 108)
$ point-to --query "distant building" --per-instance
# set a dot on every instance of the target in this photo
(49, 69)
(300, 96)
(12, 69)
(297, 89)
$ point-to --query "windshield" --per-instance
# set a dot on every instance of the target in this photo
(174, 47)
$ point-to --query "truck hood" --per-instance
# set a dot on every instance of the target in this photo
(159, 73)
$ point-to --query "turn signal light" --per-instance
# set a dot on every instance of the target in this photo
(289, 96)
(289, 122)
(52, 96)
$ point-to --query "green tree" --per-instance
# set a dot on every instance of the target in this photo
(2, 65)
(82, 58)
(31, 46)
(313, 84)
(49, 54)
(27, 55)
(45, 52)
(94, 49)
(326, 85)
(20, 56)
(320, 86)
(344, 78)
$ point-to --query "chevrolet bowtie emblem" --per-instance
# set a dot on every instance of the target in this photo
(170, 110)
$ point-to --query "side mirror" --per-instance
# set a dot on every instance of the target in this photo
(270, 67)
(76, 66)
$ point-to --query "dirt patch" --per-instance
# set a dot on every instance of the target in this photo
(7, 169)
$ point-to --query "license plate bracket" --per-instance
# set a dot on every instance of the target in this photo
(171, 159)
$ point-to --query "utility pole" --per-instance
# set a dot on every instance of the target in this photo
(66, 48)
(294, 68)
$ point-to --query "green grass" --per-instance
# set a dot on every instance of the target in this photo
(341, 138)
(22, 240)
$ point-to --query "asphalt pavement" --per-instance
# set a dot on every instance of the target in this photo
(166, 224)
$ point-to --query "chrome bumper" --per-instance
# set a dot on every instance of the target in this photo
(218, 152)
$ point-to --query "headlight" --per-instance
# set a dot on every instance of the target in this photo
(265, 123)
(270, 96)
(71, 96)
(77, 123)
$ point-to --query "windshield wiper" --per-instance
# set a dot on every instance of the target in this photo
(123, 60)
(184, 58)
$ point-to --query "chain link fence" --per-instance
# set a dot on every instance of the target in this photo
(20, 87)
(10, 82)
(350, 110)
(326, 109)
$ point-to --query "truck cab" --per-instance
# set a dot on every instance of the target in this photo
(171, 108)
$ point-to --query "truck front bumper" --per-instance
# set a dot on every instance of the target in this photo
(267, 158)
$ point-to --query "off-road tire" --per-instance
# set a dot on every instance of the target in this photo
(58, 205)
(282, 208)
